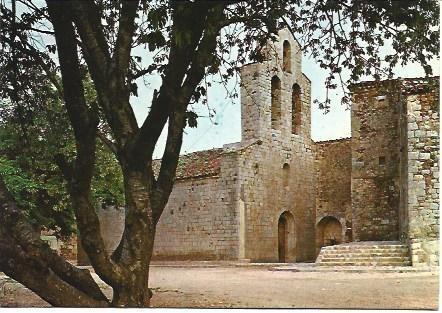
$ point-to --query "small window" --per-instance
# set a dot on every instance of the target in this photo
(276, 102)
(296, 109)
(285, 174)
(382, 160)
(286, 57)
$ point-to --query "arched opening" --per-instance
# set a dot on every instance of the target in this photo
(328, 232)
(286, 57)
(276, 102)
(285, 175)
(286, 238)
(296, 109)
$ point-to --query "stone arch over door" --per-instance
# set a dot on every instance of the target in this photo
(328, 232)
(286, 238)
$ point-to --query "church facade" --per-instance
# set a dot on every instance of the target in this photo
(278, 196)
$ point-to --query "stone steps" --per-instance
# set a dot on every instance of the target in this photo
(365, 259)
(403, 262)
(365, 254)
(396, 249)
(354, 269)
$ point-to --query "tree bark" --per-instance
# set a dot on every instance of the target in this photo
(40, 278)
(136, 246)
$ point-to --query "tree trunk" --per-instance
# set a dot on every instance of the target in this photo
(136, 246)
(135, 292)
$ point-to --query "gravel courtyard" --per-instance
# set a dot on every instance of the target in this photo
(259, 287)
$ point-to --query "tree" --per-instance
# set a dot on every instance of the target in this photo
(191, 40)
(27, 166)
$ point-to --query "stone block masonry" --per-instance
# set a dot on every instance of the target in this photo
(423, 172)
(333, 188)
(111, 228)
(200, 220)
(375, 151)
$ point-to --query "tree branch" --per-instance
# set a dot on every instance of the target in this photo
(109, 74)
(202, 58)
(87, 19)
(84, 122)
(109, 143)
(125, 35)
(66, 168)
(189, 19)
(32, 256)
(15, 263)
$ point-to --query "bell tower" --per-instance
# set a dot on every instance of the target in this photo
(275, 94)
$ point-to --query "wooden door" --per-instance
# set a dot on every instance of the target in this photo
(282, 239)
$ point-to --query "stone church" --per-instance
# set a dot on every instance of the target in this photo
(278, 196)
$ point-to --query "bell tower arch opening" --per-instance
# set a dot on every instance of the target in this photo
(286, 57)
(276, 102)
(296, 109)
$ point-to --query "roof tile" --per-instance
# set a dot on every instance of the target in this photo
(197, 164)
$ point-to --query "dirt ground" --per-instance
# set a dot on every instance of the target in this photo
(248, 287)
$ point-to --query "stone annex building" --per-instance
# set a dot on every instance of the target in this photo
(278, 196)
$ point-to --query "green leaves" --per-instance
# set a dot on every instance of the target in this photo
(51, 48)
(191, 119)
(359, 36)
(154, 40)
(107, 182)
(157, 17)
(134, 89)
(27, 159)
(18, 182)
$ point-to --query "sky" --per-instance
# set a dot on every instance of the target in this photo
(226, 125)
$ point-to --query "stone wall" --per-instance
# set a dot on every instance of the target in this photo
(200, 220)
(333, 185)
(111, 229)
(423, 175)
(66, 247)
(266, 195)
(375, 161)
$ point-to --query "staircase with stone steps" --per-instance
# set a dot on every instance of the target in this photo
(368, 253)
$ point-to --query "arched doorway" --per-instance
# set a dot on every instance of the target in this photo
(286, 238)
(328, 232)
